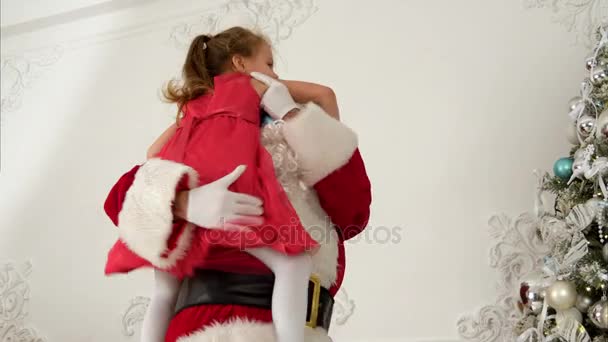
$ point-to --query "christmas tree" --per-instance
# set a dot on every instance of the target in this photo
(565, 297)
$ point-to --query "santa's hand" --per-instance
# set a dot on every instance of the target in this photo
(277, 100)
(213, 206)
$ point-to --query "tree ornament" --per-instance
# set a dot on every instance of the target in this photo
(585, 125)
(532, 295)
(583, 302)
(602, 125)
(561, 295)
(563, 168)
(598, 313)
(575, 102)
(590, 63)
(599, 75)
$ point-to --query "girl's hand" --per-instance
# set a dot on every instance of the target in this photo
(277, 100)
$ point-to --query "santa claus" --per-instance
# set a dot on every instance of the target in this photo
(317, 162)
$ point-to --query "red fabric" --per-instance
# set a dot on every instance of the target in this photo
(194, 318)
(345, 195)
(220, 131)
(113, 204)
(120, 258)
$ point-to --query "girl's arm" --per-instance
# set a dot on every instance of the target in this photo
(158, 144)
(303, 92)
(181, 198)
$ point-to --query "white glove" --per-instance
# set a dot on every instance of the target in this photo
(213, 206)
(277, 100)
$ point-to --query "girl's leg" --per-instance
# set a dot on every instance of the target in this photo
(290, 294)
(160, 310)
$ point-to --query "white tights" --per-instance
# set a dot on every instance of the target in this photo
(290, 293)
(160, 310)
(289, 297)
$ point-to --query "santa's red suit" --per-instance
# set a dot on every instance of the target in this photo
(316, 160)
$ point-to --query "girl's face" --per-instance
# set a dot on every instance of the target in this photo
(262, 62)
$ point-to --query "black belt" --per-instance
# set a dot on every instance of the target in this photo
(216, 287)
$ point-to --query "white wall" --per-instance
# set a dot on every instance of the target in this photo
(455, 103)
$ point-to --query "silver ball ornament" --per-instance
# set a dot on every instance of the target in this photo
(561, 295)
(585, 125)
(590, 63)
(532, 295)
(571, 313)
(583, 302)
(533, 291)
(605, 252)
(599, 75)
(574, 102)
(598, 313)
(602, 125)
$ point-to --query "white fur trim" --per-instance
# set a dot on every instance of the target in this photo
(322, 143)
(319, 226)
(240, 330)
(146, 219)
(305, 201)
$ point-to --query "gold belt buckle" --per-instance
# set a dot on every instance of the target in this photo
(316, 296)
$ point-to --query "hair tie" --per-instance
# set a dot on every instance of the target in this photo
(205, 39)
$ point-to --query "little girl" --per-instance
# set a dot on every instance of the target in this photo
(220, 130)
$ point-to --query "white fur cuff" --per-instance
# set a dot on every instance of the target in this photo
(145, 222)
(322, 144)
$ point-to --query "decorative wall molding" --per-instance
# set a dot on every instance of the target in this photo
(582, 17)
(134, 314)
(275, 18)
(14, 298)
(19, 72)
(517, 249)
(344, 307)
